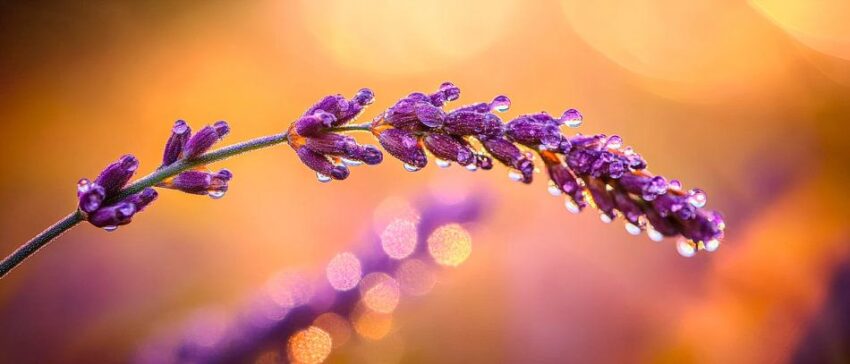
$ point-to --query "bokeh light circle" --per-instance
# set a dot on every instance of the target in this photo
(380, 292)
(309, 346)
(336, 326)
(389, 36)
(371, 324)
(415, 277)
(344, 271)
(399, 238)
(450, 245)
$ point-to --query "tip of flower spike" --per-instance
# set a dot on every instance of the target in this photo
(340, 172)
(129, 162)
(370, 155)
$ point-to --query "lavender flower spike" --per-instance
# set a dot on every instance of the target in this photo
(117, 174)
(95, 198)
(180, 134)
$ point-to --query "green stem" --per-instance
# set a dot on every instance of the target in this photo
(29, 248)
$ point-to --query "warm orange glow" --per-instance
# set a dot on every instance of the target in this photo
(415, 277)
(379, 292)
(336, 326)
(371, 324)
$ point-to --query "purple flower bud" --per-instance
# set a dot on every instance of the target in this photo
(403, 114)
(142, 199)
(655, 187)
(449, 148)
(631, 210)
(404, 145)
(634, 183)
(566, 181)
(200, 182)
(112, 216)
(332, 104)
(321, 164)
(661, 224)
(315, 123)
(117, 174)
(429, 115)
(180, 134)
(672, 205)
(333, 144)
(368, 154)
(534, 130)
(204, 139)
(90, 195)
(463, 123)
(603, 199)
(510, 155)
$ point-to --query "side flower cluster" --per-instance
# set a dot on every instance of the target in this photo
(99, 199)
(326, 152)
(183, 145)
(95, 197)
(594, 170)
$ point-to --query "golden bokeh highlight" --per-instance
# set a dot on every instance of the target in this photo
(415, 277)
(824, 28)
(309, 346)
(370, 324)
(387, 36)
(380, 292)
(335, 325)
(399, 238)
(344, 271)
(450, 245)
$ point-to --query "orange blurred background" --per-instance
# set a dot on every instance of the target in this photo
(747, 100)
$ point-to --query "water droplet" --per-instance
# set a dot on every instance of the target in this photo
(553, 189)
(215, 195)
(629, 151)
(411, 168)
(501, 103)
(632, 228)
(110, 228)
(697, 197)
(712, 245)
(686, 248)
(472, 167)
(614, 142)
(323, 178)
(572, 118)
(442, 163)
(571, 206)
(653, 234)
(515, 175)
(351, 162)
(605, 218)
(675, 185)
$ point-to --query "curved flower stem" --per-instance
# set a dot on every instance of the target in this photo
(40, 240)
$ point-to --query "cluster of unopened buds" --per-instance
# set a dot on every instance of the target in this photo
(591, 170)
(102, 202)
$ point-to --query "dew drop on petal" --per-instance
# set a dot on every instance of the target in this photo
(514, 175)
(472, 167)
(351, 162)
(442, 163)
(215, 195)
(572, 118)
(674, 185)
(501, 103)
(712, 245)
(411, 168)
(686, 248)
(344, 271)
(571, 206)
(653, 234)
(323, 178)
(697, 197)
(605, 218)
(614, 142)
(632, 228)
(110, 228)
(553, 189)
